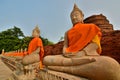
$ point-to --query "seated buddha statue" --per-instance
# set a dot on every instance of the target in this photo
(81, 52)
(35, 51)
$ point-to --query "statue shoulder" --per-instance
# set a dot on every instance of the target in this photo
(94, 25)
(37, 39)
(66, 32)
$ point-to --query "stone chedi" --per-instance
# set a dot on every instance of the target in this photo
(91, 67)
(111, 44)
(101, 21)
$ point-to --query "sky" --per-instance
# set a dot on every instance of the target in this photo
(53, 16)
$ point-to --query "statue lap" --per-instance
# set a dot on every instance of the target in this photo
(30, 59)
(102, 68)
(93, 67)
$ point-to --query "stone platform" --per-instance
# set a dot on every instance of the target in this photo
(5, 72)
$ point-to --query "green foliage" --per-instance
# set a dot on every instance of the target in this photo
(46, 41)
(25, 42)
(14, 39)
(9, 39)
(13, 32)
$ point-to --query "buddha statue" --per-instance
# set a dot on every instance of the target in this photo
(81, 52)
(35, 51)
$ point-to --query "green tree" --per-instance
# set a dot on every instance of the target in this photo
(17, 32)
(13, 32)
(46, 41)
(9, 39)
(25, 42)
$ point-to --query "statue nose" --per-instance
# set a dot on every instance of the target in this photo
(74, 17)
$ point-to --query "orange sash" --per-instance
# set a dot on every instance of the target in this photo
(34, 44)
(80, 35)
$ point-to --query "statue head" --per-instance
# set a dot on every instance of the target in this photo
(36, 31)
(76, 15)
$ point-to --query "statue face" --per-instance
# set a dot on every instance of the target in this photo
(35, 33)
(76, 17)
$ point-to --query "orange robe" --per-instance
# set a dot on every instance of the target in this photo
(34, 44)
(15, 54)
(82, 34)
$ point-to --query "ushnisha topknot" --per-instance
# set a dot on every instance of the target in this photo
(37, 29)
(75, 8)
